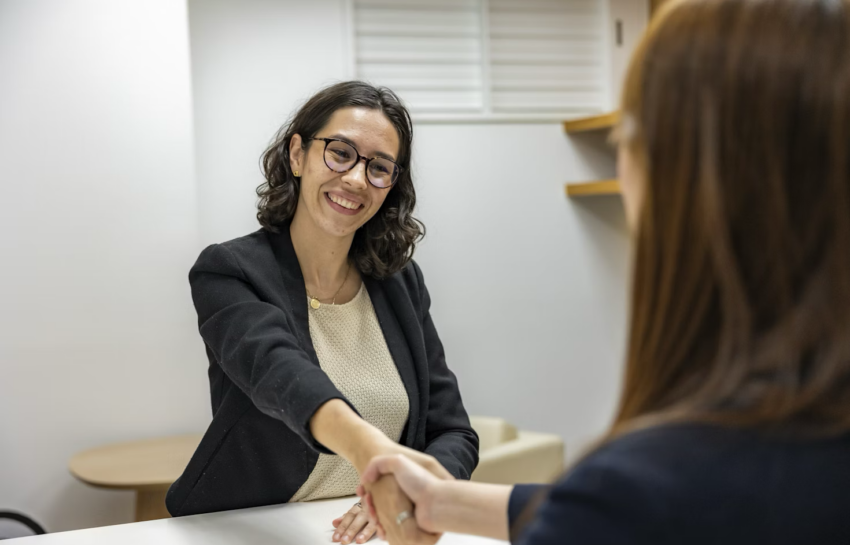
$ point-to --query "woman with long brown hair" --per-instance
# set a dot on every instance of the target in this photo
(734, 421)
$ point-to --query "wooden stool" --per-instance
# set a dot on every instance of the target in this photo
(148, 467)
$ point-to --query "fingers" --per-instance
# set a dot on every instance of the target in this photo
(358, 525)
(367, 532)
(388, 500)
(414, 481)
(373, 515)
(370, 506)
(431, 464)
(349, 525)
(437, 469)
(379, 466)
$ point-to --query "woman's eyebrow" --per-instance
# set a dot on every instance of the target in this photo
(353, 145)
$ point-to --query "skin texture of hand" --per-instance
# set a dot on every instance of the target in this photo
(440, 506)
(341, 430)
(417, 484)
(386, 501)
(355, 526)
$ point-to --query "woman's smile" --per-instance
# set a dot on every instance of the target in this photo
(343, 204)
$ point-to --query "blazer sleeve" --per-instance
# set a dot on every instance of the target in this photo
(255, 344)
(449, 437)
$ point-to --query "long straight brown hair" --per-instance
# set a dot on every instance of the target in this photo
(738, 114)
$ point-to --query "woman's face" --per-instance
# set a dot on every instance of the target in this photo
(340, 203)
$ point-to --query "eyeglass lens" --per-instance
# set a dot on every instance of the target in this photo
(340, 157)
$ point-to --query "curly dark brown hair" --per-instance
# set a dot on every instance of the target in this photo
(385, 243)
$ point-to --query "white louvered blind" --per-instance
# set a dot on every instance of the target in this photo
(547, 55)
(485, 58)
(428, 51)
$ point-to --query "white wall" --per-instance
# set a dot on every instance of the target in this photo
(252, 62)
(98, 228)
(528, 286)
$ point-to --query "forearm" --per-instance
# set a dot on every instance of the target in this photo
(336, 426)
(471, 508)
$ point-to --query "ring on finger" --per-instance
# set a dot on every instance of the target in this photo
(403, 516)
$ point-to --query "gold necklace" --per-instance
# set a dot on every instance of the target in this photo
(314, 301)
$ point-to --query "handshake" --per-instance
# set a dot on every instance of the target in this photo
(400, 495)
(407, 497)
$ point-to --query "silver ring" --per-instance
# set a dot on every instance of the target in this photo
(403, 516)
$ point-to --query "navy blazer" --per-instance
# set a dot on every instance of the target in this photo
(266, 382)
(696, 485)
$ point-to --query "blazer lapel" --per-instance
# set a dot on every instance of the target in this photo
(400, 351)
(293, 286)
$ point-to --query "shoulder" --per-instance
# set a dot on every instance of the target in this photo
(410, 276)
(664, 458)
(247, 251)
(668, 445)
(245, 247)
(717, 460)
(626, 490)
(700, 483)
(407, 284)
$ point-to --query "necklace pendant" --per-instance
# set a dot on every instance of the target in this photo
(314, 303)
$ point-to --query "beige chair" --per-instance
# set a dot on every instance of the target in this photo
(511, 456)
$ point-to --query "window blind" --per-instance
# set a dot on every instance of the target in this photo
(429, 52)
(546, 55)
(484, 57)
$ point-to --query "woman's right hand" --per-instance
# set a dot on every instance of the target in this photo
(385, 502)
(416, 482)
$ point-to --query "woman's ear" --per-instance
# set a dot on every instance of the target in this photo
(296, 154)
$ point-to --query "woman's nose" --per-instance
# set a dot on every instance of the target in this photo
(356, 177)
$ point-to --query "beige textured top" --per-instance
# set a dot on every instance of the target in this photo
(353, 352)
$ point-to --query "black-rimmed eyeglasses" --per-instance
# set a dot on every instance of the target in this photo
(341, 157)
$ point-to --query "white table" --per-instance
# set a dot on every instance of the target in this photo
(286, 524)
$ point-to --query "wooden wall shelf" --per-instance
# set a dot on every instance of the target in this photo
(591, 189)
(603, 121)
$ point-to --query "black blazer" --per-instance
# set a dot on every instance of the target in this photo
(696, 485)
(266, 383)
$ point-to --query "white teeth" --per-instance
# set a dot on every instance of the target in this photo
(343, 202)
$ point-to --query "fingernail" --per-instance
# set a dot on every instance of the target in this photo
(346, 539)
(361, 538)
(336, 537)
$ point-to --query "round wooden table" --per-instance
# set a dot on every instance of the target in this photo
(148, 467)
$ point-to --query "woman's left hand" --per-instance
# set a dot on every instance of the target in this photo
(354, 527)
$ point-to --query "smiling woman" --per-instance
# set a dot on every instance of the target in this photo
(322, 351)
(356, 123)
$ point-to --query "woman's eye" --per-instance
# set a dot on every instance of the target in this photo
(341, 154)
(381, 169)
